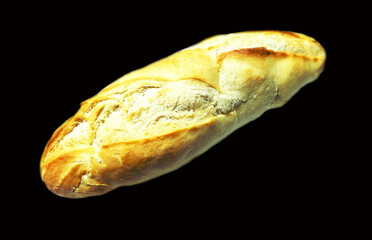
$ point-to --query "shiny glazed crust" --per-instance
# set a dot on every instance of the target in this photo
(158, 118)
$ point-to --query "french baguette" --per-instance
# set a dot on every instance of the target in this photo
(156, 119)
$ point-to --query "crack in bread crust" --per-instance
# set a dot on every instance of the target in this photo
(149, 108)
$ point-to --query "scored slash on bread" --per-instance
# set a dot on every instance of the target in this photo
(156, 119)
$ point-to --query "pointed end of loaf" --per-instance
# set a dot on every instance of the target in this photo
(66, 174)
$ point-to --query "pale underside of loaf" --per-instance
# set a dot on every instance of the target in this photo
(156, 119)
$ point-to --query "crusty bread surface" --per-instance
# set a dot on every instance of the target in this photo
(156, 119)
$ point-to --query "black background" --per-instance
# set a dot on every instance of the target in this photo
(282, 173)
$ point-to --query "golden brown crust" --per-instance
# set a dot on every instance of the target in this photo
(181, 65)
(63, 174)
(158, 118)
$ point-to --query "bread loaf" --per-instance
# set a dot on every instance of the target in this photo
(156, 119)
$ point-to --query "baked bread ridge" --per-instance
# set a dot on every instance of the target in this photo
(156, 119)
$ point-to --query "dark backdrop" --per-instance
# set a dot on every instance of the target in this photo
(284, 171)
